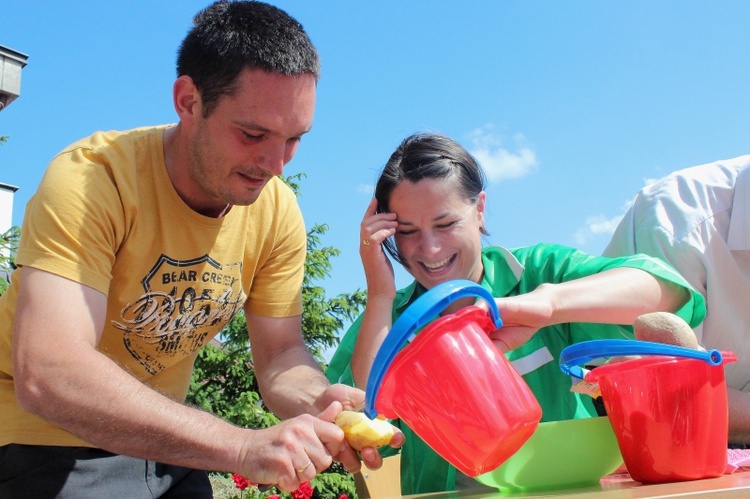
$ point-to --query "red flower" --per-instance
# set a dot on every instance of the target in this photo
(274, 496)
(304, 491)
(240, 481)
(343, 496)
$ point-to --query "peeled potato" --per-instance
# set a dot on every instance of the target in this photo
(665, 327)
(361, 431)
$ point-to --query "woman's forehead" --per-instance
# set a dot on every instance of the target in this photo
(427, 189)
(427, 200)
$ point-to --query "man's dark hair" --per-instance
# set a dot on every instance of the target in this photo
(231, 35)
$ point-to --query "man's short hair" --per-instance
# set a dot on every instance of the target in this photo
(231, 35)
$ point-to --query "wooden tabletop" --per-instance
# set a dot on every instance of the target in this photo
(734, 485)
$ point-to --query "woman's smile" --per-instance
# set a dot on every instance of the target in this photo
(438, 267)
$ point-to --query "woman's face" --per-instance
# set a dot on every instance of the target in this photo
(438, 234)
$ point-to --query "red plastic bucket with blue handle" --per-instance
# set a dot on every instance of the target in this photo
(450, 384)
(668, 409)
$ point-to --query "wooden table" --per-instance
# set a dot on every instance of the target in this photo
(735, 485)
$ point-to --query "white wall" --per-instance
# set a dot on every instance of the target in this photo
(6, 206)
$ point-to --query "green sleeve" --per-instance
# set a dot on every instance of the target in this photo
(694, 310)
(340, 368)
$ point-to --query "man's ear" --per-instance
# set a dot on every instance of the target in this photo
(186, 99)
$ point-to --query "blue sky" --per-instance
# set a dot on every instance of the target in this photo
(570, 105)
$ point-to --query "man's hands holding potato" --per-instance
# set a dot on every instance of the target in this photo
(344, 399)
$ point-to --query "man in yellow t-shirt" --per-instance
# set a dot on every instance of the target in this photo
(136, 250)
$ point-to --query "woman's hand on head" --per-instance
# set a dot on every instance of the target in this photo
(374, 230)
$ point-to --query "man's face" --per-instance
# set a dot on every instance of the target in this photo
(247, 139)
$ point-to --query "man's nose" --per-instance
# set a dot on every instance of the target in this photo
(273, 159)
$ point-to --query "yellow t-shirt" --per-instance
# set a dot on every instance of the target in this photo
(107, 216)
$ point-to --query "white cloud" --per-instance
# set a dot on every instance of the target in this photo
(368, 189)
(595, 226)
(501, 163)
(600, 225)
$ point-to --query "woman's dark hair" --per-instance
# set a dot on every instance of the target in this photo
(428, 156)
(229, 36)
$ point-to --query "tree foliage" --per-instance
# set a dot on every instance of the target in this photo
(8, 248)
(8, 244)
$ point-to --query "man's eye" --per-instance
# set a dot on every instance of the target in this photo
(251, 136)
(407, 232)
(446, 226)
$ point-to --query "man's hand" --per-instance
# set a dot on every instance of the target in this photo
(291, 452)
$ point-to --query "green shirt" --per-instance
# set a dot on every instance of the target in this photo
(511, 273)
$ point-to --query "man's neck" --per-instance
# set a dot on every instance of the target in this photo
(175, 155)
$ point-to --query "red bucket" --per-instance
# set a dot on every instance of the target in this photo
(669, 412)
(451, 385)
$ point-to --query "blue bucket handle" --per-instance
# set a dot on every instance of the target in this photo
(416, 316)
(580, 353)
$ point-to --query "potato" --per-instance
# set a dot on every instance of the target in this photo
(665, 327)
(361, 431)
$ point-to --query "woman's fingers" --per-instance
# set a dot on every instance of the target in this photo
(371, 208)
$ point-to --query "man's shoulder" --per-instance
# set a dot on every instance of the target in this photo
(106, 138)
(720, 174)
(700, 190)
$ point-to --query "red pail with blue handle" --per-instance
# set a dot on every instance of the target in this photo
(450, 384)
(668, 408)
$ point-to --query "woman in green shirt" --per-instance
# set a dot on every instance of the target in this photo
(428, 215)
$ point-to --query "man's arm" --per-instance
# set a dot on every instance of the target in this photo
(60, 376)
(291, 381)
(289, 378)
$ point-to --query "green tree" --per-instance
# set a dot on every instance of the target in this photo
(8, 244)
(8, 249)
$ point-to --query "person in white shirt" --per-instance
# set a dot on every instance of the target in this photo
(698, 220)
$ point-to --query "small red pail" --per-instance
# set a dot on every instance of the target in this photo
(450, 384)
(668, 410)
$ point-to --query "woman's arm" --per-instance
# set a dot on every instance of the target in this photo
(381, 290)
(615, 296)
